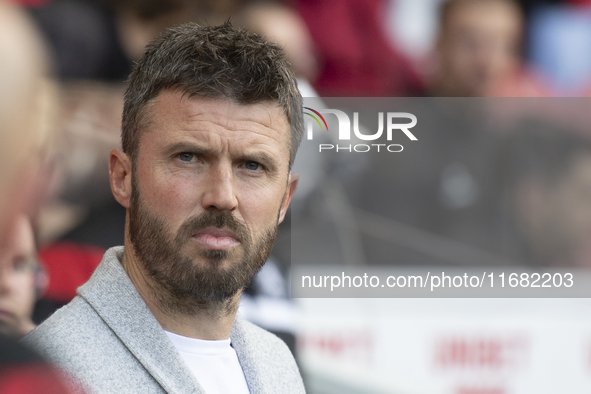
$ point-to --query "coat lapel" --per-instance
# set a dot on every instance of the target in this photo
(249, 358)
(115, 299)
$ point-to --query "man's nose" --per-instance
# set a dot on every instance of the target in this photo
(220, 189)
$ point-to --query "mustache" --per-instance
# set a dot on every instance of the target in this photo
(217, 219)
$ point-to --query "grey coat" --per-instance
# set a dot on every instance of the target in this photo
(109, 340)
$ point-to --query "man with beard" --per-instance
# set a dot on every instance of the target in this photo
(211, 123)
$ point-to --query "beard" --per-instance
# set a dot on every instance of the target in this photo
(181, 285)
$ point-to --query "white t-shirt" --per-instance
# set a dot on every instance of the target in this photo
(214, 364)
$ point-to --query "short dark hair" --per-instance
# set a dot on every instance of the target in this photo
(211, 61)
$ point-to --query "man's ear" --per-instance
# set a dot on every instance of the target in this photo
(120, 176)
(292, 185)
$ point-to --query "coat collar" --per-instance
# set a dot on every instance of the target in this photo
(115, 299)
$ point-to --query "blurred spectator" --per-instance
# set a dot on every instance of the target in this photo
(355, 56)
(26, 132)
(23, 99)
(23, 129)
(85, 211)
(549, 171)
(139, 21)
(283, 25)
(478, 52)
(99, 40)
(22, 279)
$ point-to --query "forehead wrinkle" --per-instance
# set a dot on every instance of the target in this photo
(275, 123)
(208, 141)
(231, 108)
(242, 125)
(218, 128)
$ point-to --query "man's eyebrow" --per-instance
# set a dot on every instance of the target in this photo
(178, 147)
(260, 157)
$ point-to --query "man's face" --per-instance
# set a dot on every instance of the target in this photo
(17, 280)
(209, 189)
(479, 47)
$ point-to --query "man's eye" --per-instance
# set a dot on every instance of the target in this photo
(186, 157)
(252, 165)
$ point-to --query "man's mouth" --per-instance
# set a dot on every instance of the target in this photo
(216, 238)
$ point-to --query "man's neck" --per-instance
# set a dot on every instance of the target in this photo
(207, 321)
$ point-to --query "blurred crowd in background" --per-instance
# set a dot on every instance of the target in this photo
(63, 64)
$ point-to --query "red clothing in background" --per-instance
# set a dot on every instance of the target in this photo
(69, 266)
(31, 378)
(355, 56)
